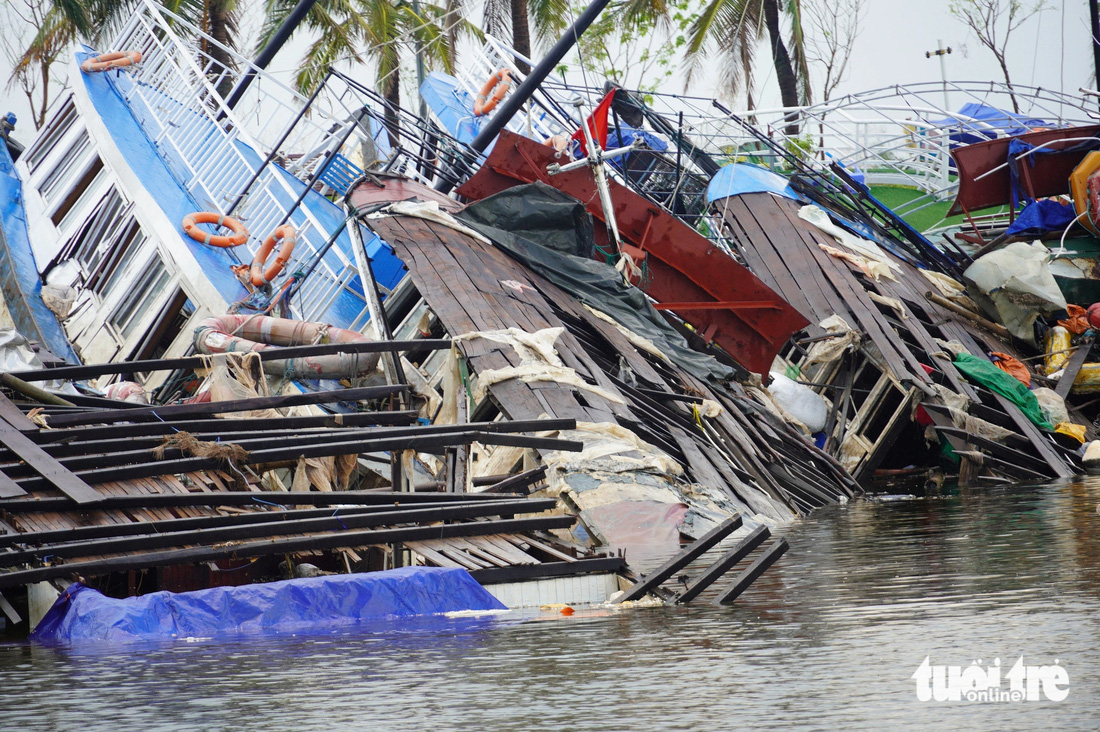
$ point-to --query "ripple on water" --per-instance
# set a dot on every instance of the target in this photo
(828, 638)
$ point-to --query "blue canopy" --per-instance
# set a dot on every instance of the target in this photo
(299, 605)
(987, 121)
(737, 178)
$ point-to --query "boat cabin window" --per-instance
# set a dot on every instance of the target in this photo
(56, 128)
(168, 325)
(97, 235)
(74, 207)
(115, 264)
(69, 167)
(145, 291)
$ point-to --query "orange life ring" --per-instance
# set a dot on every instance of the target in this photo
(1092, 217)
(116, 60)
(191, 226)
(495, 89)
(287, 235)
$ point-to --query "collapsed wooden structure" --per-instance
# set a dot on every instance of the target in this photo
(899, 325)
(137, 497)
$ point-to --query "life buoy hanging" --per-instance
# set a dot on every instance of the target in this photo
(191, 227)
(116, 60)
(495, 89)
(287, 235)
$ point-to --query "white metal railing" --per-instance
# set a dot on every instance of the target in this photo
(213, 151)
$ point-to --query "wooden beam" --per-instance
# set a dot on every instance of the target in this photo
(728, 560)
(519, 481)
(193, 362)
(271, 547)
(208, 536)
(523, 572)
(14, 416)
(171, 411)
(135, 528)
(750, 575)
(681, 559)
(50, 469)
(220, 498)
(1073, 367)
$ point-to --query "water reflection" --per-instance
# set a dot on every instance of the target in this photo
(827, 638)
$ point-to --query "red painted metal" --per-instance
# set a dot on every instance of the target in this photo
(715, 305)
(1043, 174)
(682, 267)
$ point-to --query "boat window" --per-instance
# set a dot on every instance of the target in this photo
(56, 128)
(93, 240)
(168, 325)
(115, 264)
(139, 299)
(72, 163)
(74, 207)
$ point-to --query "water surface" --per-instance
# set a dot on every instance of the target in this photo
(827, 639)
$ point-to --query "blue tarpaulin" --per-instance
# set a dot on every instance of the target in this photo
(738, 178)
(1040, 217)
(299, 605)
(987, 122)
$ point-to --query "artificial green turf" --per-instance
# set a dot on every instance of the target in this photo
(929, 217)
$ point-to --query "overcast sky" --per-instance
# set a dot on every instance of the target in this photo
(1051, 50)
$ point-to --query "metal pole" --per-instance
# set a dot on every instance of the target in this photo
(941, 52)
(282, 35)
(275, 149)
(523, 92)
(1094, 25)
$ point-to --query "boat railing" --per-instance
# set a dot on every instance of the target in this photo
(214, 152)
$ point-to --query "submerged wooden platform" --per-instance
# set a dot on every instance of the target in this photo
(900, 362)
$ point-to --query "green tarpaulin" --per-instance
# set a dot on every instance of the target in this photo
(988, 375)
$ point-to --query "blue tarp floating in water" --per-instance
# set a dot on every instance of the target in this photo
(737, 178)
(298, 605)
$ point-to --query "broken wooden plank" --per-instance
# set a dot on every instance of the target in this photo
(1073, 367)
(681, 559)
(53, 471)
(727, 561)
(750, 575)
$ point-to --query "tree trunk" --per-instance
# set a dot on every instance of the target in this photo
(784, 71)
(521, 33)
(1008, 81)
(218, 24)
(391, 90)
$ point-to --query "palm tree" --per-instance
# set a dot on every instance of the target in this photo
(513, 19)
(735, 27)
(93, 20)
(358, 31)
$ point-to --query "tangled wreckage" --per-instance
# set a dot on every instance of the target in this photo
(601, 374)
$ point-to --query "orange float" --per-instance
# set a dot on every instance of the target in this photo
(287, 235)
(1084, 186)
(191, 227)
(105, 61)
(495, 89)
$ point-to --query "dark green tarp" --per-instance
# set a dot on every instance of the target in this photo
(544, 229)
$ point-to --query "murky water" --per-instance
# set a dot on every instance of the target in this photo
(828, 639)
